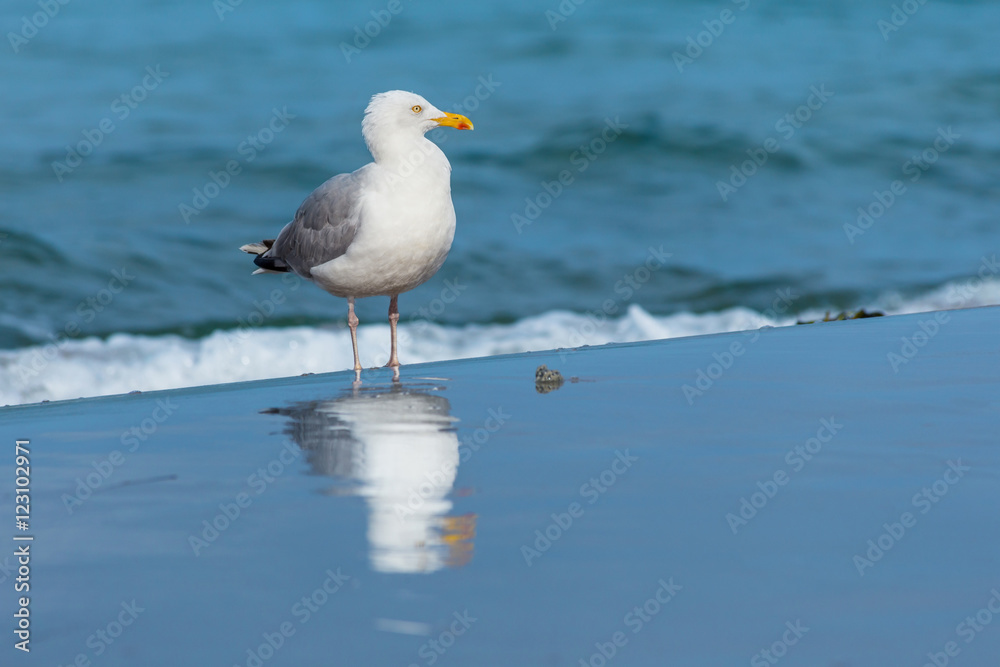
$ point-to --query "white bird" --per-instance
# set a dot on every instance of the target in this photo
(383, 229)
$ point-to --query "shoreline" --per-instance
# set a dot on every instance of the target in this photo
(813, 487)
(375, 371)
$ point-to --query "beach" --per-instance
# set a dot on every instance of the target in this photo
(819, 491)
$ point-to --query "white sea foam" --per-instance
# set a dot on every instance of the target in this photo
(126, 362)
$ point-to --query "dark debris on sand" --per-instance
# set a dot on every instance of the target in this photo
(546, 380)
(845, 315)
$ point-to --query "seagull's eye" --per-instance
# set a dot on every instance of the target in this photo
(416, 108)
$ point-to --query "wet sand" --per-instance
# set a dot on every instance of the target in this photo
(822, 494)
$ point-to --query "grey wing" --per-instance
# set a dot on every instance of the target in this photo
(324, 226)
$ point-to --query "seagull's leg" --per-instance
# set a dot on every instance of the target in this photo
(393, 318)
(352, 321)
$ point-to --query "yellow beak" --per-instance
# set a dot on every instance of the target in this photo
(457, 121)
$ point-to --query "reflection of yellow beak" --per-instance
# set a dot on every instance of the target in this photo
(457, 121)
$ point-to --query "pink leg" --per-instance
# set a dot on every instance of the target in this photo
(393, 319)
(352, 322)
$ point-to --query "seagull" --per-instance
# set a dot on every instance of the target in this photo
(383, 229)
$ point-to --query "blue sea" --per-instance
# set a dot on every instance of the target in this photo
(638, 170)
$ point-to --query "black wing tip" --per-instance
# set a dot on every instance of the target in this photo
(267, 263)
(270, 263)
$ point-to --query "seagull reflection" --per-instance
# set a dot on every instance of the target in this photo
(400, 449)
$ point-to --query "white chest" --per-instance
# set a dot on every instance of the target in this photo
(407, 227)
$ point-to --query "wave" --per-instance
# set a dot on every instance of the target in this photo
(127, 362)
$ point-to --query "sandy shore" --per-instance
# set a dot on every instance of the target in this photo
(821, 494)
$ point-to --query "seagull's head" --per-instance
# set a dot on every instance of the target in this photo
(400, 115)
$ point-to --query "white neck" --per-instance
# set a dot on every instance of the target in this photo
(412, 160)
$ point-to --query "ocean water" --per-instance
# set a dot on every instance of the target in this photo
(725, 164)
